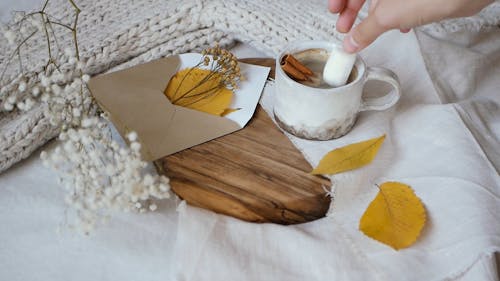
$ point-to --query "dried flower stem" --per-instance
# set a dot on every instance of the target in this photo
(75, 23)
(204, 95)
(16, 52)
(184, 78)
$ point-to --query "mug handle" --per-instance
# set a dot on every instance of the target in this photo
(389, 99)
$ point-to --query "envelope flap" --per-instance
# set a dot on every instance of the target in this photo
(189, 128)
(154, 75)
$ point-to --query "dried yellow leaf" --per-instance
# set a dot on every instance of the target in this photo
(349, 157)
(190, 88)
(395, 217)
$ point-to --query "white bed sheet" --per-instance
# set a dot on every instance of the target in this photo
(36, 245)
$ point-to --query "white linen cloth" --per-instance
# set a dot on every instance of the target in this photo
(195, 243)
(429, 146)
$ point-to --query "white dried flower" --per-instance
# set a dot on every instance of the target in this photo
(148, 180)
(87, 122)
(19, 16)
(45, 98)
(29, 103)
(21, 105)
(35, 91)
(24, 31)
(109, 176)
(98, 173)
(132, 136)
(164, 187)
(37, 23)
(45, 81)
(77, 112)
(79, 65)
(10, 36)
(8, 106)
(12, 99)
(56, 89)
(135, 146)
(22, 86)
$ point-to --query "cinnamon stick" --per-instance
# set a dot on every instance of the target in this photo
(293, 72)
(295, 63)
(294, 68)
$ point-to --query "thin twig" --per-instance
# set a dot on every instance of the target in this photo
(77, 10)
(45, 5)
(61, 24)
(53, 34)
(48, 40)
(20, 61)
(15, 52)
(46, 21)
(31, 14)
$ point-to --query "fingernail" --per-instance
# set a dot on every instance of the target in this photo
(350, 45)
(335, 6)
(331, 8)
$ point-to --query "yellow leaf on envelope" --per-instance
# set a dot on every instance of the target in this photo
(189, 88)
(349, 157)
(395, 217)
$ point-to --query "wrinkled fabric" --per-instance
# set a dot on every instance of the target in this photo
(442, 140)
(428, 147)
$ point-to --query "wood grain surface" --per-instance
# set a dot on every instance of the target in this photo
(255, 174)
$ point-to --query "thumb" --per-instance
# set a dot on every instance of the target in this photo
(363, 34)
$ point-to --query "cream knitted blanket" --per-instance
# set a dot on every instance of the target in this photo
(118, 33)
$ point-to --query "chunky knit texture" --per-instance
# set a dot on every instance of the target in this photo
(116, 34)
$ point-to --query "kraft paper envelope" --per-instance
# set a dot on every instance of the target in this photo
(135, 100)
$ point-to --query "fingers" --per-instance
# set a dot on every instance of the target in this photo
(363, 34)
(373, 4)
(405, 30)
(348, 15)
(336, 6)
(346, 20)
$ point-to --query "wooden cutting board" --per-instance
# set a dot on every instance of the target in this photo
(255, 174)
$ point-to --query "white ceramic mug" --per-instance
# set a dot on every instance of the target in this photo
(327, 113)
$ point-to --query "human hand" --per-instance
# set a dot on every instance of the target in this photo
(384, 15)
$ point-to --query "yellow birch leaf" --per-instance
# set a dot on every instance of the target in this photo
(395, 217)
(349, 157)
(187, 89)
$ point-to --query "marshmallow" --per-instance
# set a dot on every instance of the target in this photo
(338, 67)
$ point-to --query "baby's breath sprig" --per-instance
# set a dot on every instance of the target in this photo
(26, 87)
(101, 174)
(223, 67)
